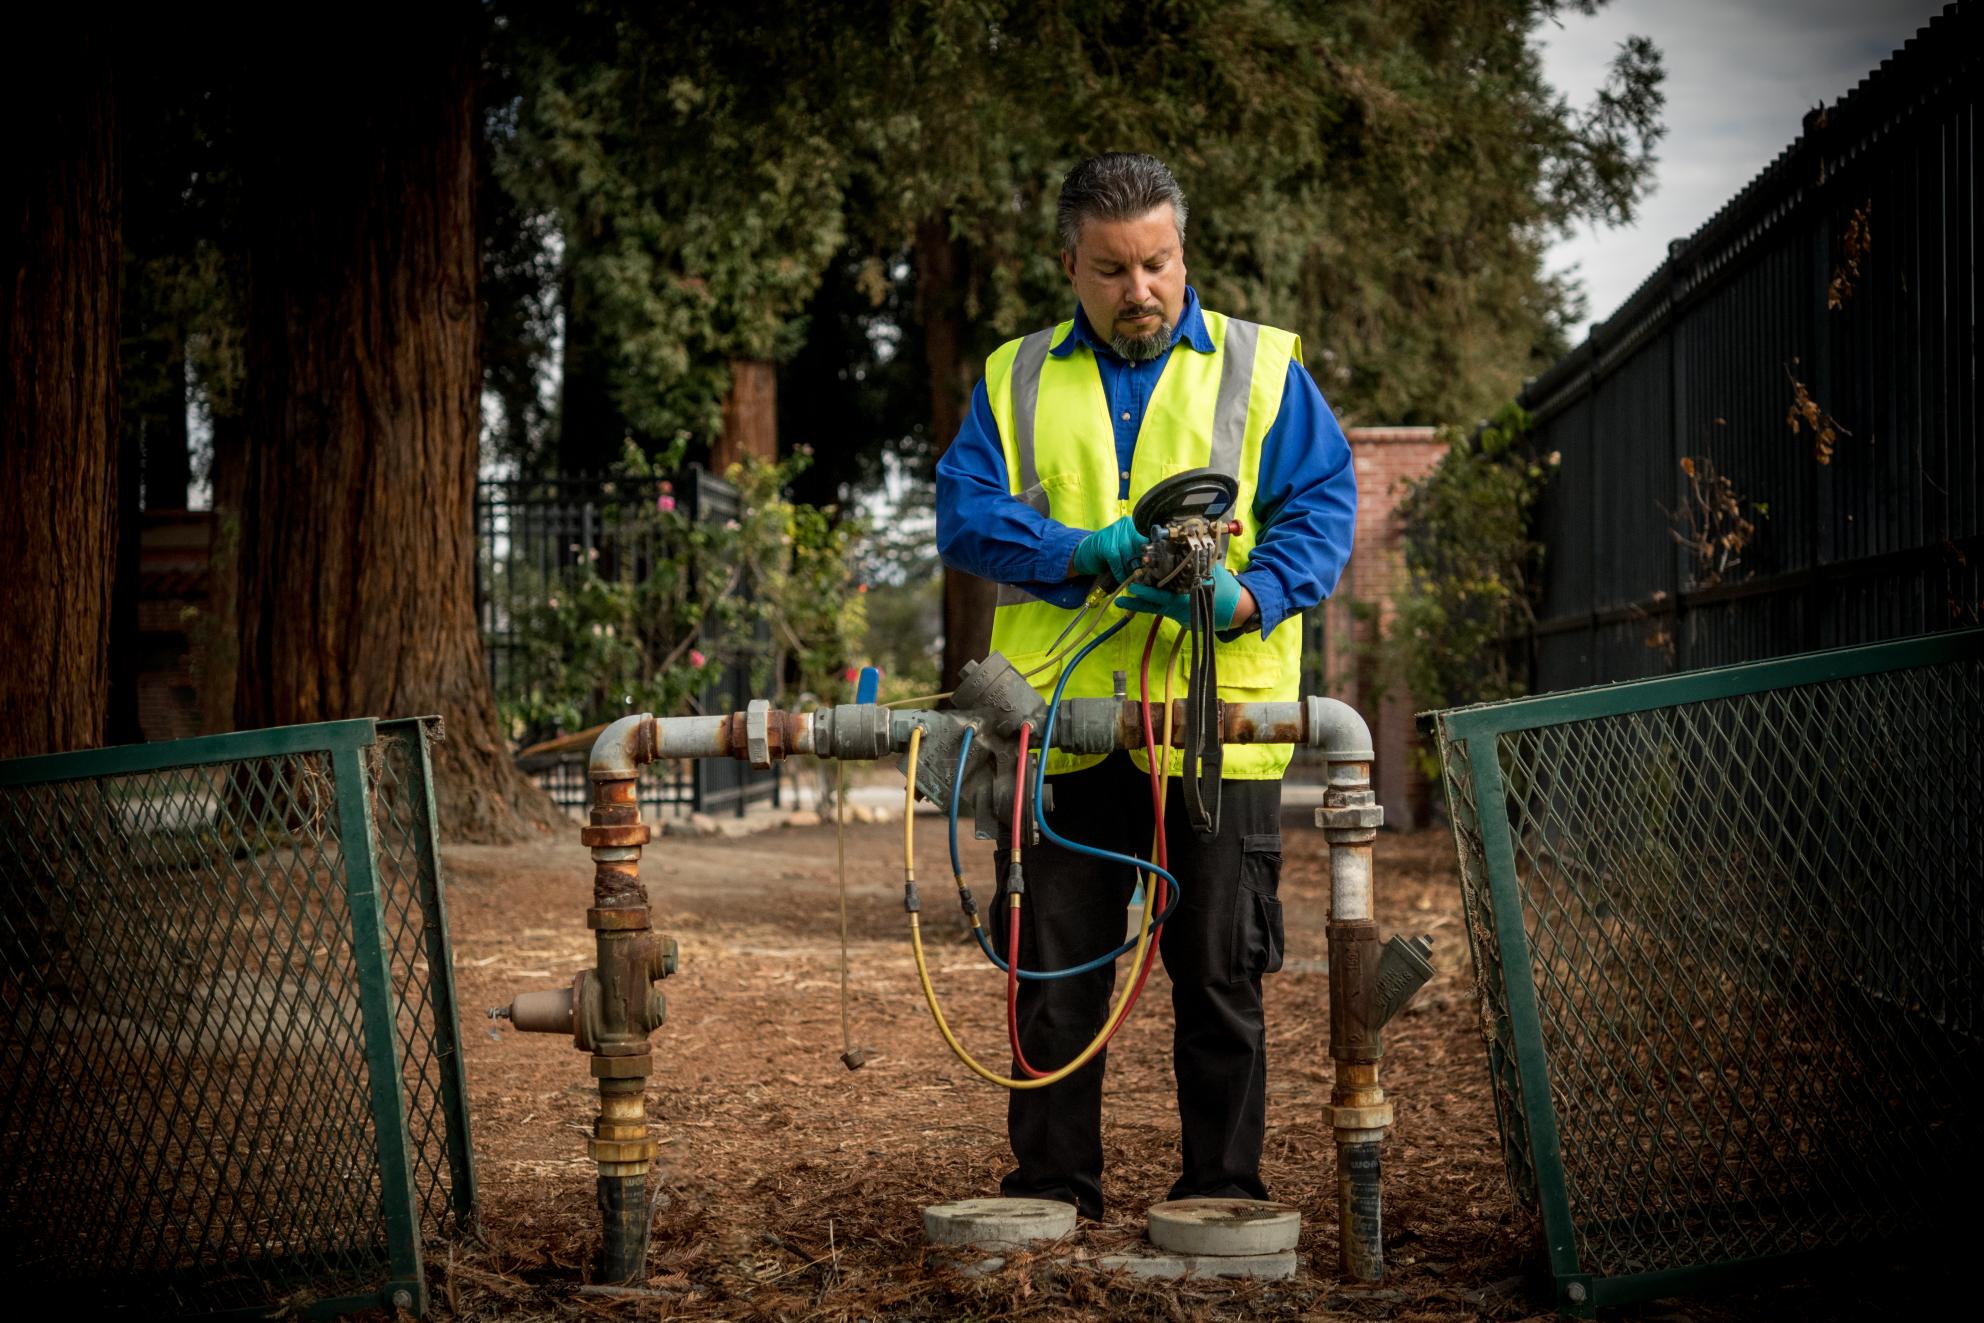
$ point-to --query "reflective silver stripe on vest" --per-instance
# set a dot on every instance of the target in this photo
(1229, 415)
(1236, 384)
(1026, 397)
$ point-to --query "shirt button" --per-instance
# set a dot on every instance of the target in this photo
(1126, 415)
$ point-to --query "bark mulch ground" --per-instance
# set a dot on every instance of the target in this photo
(790, 1188)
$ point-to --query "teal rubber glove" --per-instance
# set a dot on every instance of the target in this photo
(1178, 607)
(1119, 549)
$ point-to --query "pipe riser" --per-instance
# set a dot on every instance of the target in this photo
(1359, 1212)
(623, 1210)
(615, 1021)
(1359, 1111)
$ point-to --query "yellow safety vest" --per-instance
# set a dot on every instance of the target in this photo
(1207, 410)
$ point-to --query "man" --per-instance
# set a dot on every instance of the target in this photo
(1068, 429)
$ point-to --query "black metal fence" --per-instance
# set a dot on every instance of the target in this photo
(534, 535)
(1806, 365)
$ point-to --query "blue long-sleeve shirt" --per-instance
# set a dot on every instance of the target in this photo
(1305, 495)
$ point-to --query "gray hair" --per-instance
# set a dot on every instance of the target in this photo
(1116, 186)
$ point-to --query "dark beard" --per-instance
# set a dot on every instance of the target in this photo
(1142, 348)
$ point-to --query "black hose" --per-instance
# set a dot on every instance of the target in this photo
(1203, 751)
(623, 1210)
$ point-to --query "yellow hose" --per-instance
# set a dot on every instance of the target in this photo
(1116, 1013)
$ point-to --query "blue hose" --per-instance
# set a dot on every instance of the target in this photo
(1046, 743)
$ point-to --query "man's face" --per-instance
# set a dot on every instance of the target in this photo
(1130, 278)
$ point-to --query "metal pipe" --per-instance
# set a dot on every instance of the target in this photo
(762, 735)
(613, 1006)
(1359, 1111)
(611, 1010)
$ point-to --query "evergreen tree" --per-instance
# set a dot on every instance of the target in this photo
(60, 217)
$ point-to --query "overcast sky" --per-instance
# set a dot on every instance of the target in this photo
(1740, 76)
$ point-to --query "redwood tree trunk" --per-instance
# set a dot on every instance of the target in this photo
(59, 336)
(750, 415)
(940, 272)
(357, 520)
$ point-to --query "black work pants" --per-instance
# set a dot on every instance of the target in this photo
(1224, 935)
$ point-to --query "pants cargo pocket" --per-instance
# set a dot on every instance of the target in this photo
(1258, 935)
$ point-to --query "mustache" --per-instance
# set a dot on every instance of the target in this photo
(1153, 310)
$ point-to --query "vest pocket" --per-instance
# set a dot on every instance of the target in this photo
(1248, 663)
(1258, 935)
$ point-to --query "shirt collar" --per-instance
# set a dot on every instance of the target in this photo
(1191, 329)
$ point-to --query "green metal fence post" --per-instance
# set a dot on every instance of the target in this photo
(1532, 1067)
(441, 989)
(1688, 945)
(407, 1287)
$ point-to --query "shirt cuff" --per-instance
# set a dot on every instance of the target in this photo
(1057, 548)
(1270, 602)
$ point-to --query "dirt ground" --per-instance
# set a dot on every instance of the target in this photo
(790, 1188)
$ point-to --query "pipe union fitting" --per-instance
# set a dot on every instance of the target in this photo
(852, 731)
(620, 1150)
(1351, 818)
(1378, 1116)
(758, 733)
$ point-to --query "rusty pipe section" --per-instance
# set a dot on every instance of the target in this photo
(612, 1008)
(762, 735)
(1359, 1111)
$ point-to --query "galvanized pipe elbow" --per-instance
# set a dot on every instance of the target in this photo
(622, 747)
(1336, 728)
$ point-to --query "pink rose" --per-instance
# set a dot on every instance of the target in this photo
(665, 503)
(697, 660)
(853, 674)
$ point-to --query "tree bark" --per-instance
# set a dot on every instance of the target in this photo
(750, 415)
(121, 724)
(59, 343)
(940, 269)
(357, 520)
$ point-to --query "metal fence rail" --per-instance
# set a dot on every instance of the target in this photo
(1845, 274)
(229, 1070)
(1728, 932)
(535, 535)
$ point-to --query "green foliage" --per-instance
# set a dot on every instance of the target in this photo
(1471, 566)
(639, 633)
(1381, 176)
(694, 186)
(905, 635)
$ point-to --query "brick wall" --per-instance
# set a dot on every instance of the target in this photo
(1361, 607)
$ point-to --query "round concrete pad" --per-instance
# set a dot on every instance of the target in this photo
(998, 1223)
(1224, 1226)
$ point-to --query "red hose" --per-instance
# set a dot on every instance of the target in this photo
(1013, 918)
(1157, 769)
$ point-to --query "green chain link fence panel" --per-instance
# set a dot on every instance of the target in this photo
(1728, 935)
(230, 1079)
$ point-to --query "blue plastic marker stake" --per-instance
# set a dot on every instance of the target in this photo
(869, 686)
